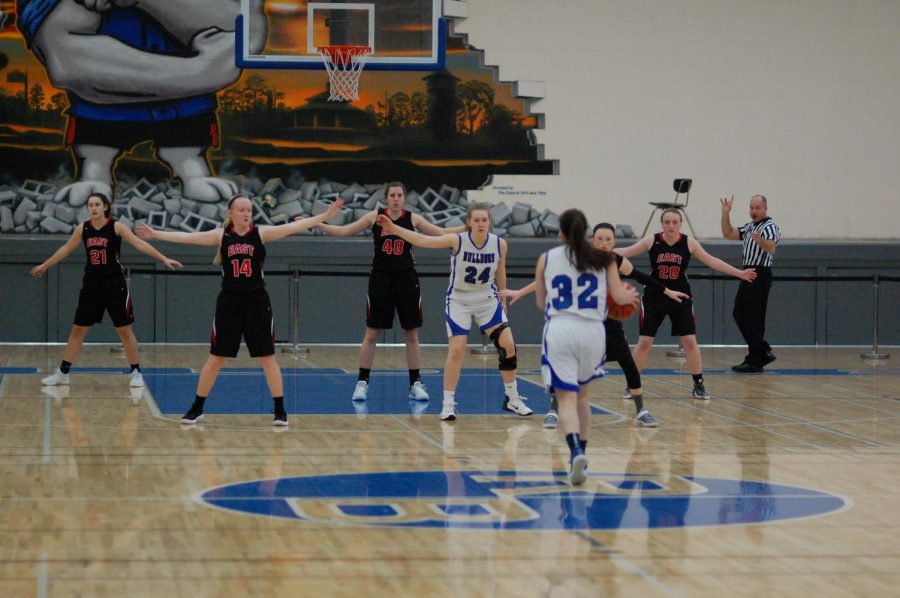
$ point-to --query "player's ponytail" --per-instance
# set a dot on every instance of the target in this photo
(218, 258)
(573, 226)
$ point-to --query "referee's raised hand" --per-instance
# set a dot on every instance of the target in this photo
(727, 202)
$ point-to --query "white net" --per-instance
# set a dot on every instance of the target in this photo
(344, 65)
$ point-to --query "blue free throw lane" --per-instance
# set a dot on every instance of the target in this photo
(326, 391)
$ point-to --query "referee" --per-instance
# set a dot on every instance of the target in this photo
(760, 237)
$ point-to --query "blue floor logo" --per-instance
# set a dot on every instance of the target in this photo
(520, 500)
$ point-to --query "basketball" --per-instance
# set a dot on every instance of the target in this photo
(616, 311)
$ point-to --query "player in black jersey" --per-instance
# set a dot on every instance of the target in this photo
(617, 349)
(670, 253)
(103, 287)
(243, 307)
(393, 286)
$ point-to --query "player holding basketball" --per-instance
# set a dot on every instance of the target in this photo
(617, 348)
(670, 253)
(103, 287)
(243, 307)
(477, 273)
(393, 286)
(571, 283)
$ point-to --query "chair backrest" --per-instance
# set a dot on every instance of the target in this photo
(682, 186)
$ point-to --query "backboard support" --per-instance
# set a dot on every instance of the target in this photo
(403, 34)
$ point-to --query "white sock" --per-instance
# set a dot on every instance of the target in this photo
(512, 390)
(449, 395)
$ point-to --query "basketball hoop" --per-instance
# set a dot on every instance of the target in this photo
(344, 65)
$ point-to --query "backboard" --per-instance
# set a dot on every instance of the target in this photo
(403, 34)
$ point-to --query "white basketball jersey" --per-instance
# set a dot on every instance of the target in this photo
(473, 269)
(570, 292)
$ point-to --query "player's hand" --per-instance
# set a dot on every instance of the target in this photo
(38, 271)
(144, 231)
(512, 294)
(749, 274)
(384, 222)
(173, 264)
(727, 202)
(334, 209)
(676, 296)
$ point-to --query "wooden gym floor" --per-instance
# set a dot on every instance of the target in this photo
(783, 483)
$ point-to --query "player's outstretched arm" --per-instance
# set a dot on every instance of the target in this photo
(418, 239)
(716, 264)
(514, 295)
(145, 247)
(61, 253)
(207, 237)
(540, 291)
(348, 230)
(269, 234)
(620, 293)
(422, 225)
(636, 249)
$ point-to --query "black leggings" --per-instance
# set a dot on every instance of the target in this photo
(617, 349)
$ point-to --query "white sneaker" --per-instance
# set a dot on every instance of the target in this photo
(417, 391)
(135, 379)
(359, 393)
(448, 411)
(55, 379)
(517, 406)
(576, 473)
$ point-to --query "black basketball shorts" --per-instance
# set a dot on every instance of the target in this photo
(104, 293)
(654, 311)
(394, 291)
(243, 314)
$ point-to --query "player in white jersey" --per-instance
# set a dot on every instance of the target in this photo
(570, 286)
(477, 274)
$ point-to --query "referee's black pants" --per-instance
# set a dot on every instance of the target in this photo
(750, 314)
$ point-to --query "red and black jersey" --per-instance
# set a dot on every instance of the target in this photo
(668, 264)
(391, 252)
(242, 260)
(103, 247)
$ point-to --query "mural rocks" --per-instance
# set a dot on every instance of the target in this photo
(33, 208)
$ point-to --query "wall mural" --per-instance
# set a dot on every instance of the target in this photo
(142, 99)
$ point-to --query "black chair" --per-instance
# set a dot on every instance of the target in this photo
(680, 186)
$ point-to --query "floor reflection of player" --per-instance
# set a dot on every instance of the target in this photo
(755, 503)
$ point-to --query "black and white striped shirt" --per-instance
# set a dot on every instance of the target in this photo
(753, 254)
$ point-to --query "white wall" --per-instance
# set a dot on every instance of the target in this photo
(796, 99)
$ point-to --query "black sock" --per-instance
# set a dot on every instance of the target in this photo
(198, 401)
(135, 366)
(583, 444)
(638, 402)
(279, 403)
(65, 366)
(554, 404)
(414, 377)
(364, 374)
(698, 378)
(574, 442)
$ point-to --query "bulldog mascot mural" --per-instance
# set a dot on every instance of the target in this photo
(139, 70)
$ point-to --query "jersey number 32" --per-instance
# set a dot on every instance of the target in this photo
(586, 288)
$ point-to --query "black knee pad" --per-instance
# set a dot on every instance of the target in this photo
(506, 363)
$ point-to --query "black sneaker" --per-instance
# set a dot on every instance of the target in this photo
(769, 358)
(280, 418)
(700, 391)
(193, 415)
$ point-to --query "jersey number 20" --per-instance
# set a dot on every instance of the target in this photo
(587, 298)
